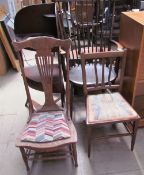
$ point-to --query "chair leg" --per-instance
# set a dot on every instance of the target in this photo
(26, 103)
(89, 140)
(24, 158)
(63, 98)
(74, 150)
(71, 102)
(135, 126)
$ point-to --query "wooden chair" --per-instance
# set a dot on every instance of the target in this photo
(54, 131)
(89, 25)
(104, 103)
(42, 22)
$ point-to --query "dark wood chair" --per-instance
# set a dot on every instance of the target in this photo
(41, 22)
(104, 102)
(89, 25)
(50, 130)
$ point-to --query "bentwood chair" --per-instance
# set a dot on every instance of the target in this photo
(38, 20)
(50, 133)
(104, 103)
(89, 25)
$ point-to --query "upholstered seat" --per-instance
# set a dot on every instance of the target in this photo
(109, 108)
(46, 127)
(49, 145)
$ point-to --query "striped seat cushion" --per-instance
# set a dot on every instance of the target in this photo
(46, 127)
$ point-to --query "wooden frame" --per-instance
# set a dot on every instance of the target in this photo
(44, 60)
(94, 95)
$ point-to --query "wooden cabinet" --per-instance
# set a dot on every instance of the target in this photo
(132, 37)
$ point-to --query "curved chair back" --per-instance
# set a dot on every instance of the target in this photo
(44, 60)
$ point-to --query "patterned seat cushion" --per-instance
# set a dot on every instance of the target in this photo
(108, 108)
(46, 127)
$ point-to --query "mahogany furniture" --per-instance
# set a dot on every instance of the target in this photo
(132, 37)
(104, 103)
(38, 148)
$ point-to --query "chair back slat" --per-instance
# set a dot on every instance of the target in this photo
(45, 67)
(96, 72)
(103, 73)
(110, 70)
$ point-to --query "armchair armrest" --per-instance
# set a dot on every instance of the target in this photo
(118, 45)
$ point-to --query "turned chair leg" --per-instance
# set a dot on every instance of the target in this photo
(24, 158)
(71, 102)
(89, 140)
(135, 126)
(74, 150)
(63, 98)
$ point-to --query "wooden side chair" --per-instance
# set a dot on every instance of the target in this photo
(50, 133)
(104, 103)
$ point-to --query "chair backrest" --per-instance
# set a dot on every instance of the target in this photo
(87, 22)
(44, 59)
(102, 70)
